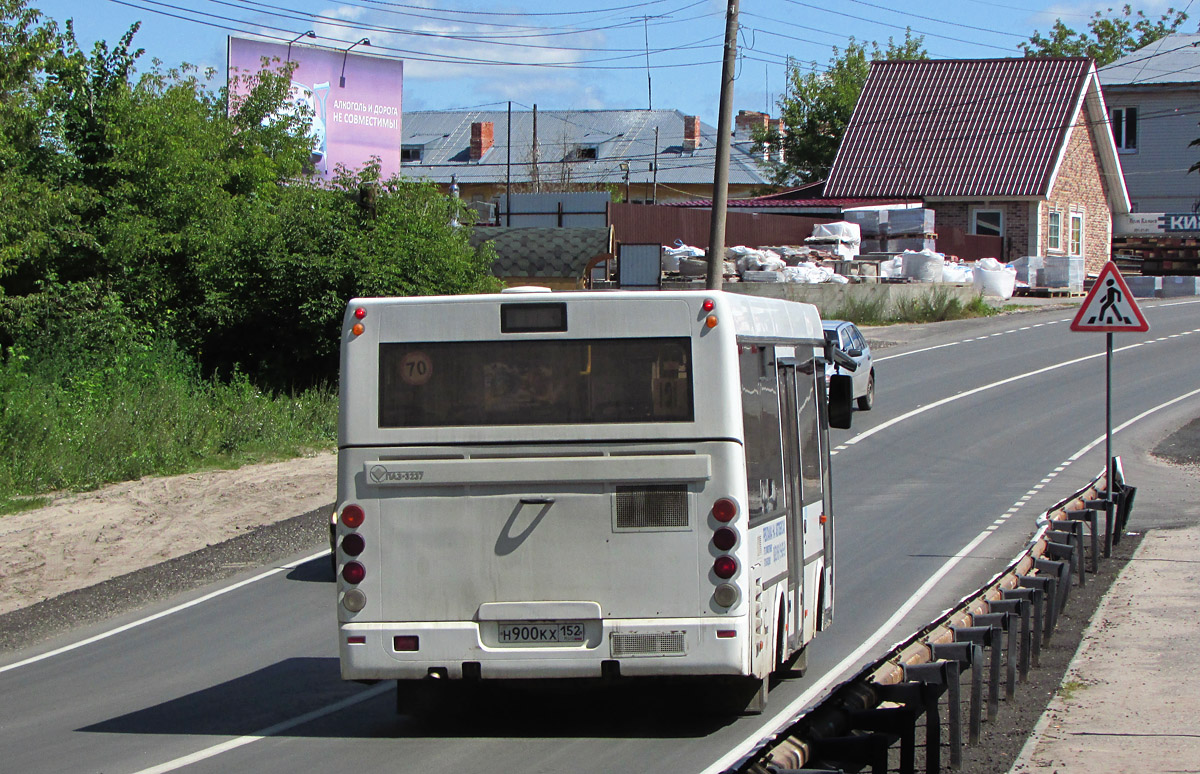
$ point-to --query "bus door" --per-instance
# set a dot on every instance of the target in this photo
(825, 615)
(789, 412)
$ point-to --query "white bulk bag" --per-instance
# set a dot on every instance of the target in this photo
(994, 279)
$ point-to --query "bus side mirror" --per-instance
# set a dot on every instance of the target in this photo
(841, 401)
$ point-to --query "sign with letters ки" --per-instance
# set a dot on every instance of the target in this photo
(1109, 306)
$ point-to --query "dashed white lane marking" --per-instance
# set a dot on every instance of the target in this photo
(1017, 330)
(953, 343)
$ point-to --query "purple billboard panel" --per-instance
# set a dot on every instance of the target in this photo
(354, 100)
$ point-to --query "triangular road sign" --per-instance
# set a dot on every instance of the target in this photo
(1109, 306)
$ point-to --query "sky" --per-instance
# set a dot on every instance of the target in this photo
(580, 54)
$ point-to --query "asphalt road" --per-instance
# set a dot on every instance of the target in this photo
(978, 424)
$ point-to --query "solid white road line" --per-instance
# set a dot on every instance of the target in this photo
(274, 730)
(163, 614)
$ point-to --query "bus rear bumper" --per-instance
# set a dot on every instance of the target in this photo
(652, 647)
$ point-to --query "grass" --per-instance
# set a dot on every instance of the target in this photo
(1068, 689)
(75, 426)
(936, 305)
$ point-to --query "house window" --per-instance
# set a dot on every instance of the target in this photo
(1076, 236)
(410, 154)
(987, 222)
(1054, 233)
(1125, 128)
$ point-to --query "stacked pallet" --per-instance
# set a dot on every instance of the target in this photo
(894, 230)
(1160, 255)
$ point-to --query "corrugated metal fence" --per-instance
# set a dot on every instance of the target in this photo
(952, 240)
(649, 223)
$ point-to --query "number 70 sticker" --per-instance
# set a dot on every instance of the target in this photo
(416, 368)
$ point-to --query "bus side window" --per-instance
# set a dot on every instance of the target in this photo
(810, 453)
(760, 420)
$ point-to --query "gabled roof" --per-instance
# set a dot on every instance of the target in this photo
(617, 136)
(970, 128)
(1170, 59)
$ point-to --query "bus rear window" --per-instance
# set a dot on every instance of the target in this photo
(535, 382)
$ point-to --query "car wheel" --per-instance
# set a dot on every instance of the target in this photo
(866, 401)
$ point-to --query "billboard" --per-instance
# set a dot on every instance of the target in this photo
(1156, 223)
(354, 99)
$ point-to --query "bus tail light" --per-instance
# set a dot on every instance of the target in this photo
(353, 572)
(724, 567)
(353, 544)
(724, 510)
(354, 600)
(726, 595)
(352, 516)
(724, 538)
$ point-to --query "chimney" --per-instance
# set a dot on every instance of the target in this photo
(776, 126)
(747, 122)
(481, 139)
(691, 133)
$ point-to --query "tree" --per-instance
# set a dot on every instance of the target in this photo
(818, 107)
(1110, 36)
(190, 211)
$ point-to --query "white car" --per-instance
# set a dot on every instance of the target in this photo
(849, 339)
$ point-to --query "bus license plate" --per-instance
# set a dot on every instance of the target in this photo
(540, 633)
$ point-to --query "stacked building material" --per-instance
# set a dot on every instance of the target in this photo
(894, 230)
(1063, 271)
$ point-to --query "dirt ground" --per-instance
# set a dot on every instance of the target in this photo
(80, 540)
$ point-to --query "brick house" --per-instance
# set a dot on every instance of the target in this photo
(1015, 148)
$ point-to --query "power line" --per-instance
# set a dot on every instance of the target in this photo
(895, 26)
(940, 21)
(411, 54)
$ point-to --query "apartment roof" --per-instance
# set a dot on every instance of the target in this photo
(969, 128)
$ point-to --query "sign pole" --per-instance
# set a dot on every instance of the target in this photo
(1109, 308)
(1108, 458)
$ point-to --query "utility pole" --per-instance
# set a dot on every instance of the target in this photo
(649, 92)
(537, 182)
(716, 234)
(508, 172)
(654, 188)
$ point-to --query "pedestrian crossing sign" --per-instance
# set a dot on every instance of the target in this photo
(1109, 306)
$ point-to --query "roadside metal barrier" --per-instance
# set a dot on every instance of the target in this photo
(992, 636)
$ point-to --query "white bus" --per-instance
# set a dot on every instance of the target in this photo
(583, 484)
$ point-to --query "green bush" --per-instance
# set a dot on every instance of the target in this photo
(88, 397)
(862, 310)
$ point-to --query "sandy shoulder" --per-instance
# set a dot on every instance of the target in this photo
(84, 539)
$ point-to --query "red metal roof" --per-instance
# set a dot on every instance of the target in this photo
(961, 127)
(769, 202)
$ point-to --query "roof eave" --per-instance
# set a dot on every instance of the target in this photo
(1110, 160)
